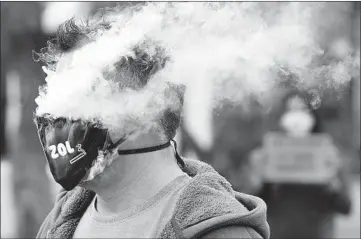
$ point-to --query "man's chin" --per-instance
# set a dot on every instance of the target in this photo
(83, 184)
(87, 184)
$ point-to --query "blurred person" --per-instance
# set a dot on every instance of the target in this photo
(303, 210)
(298, 120)
(148, 190)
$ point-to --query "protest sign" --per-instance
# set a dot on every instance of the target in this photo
(306, 160)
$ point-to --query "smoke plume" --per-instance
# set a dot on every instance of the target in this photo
(240, 49)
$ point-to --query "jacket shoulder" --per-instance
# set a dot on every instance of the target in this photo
(232, 232)
(68, 206)
(45, 226)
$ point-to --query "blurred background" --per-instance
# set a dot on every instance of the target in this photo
(236, 144)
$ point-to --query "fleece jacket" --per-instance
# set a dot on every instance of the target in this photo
(207, 207)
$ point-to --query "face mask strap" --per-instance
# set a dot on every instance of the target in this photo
(178, 157)
(155, 148)
(109, 145)
(143, 150)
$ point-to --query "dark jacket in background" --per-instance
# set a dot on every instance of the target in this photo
(303, 211)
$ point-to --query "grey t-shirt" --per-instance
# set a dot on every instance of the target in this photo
(143, 221)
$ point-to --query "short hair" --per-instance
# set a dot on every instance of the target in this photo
(134, 71)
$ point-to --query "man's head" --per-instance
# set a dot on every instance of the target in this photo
(132, 72)
(129, 72)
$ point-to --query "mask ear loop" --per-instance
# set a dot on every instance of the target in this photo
(178, 157)
(109, 145)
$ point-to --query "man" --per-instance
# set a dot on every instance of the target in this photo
(148, 190)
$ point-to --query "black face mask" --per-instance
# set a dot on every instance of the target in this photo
(71, 147)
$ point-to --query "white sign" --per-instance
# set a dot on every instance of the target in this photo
(310, 160)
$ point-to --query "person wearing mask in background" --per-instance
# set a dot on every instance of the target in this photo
(148, 190)
(303, 210)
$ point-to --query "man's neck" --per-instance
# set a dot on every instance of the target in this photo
(133, 179)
